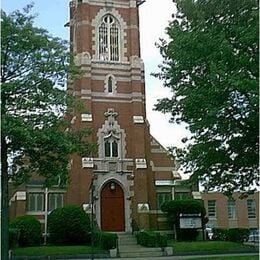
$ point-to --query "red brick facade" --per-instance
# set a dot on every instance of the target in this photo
(239, 213)
(105, 41)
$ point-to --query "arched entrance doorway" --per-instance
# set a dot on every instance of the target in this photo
(112, 207)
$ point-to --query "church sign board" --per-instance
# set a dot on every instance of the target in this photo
(191, 221)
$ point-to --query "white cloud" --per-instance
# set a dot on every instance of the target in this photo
(154, 18)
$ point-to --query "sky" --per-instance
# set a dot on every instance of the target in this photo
(154, 18)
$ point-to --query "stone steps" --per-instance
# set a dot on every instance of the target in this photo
(129, 248)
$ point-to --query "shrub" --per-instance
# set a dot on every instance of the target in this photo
(29, 227)
(233, 234)
(13, 237)
(151, 239)
(105, 240)
(69, 225)
(238, 234)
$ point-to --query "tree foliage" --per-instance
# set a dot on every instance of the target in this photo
(211, 66)
(188, 206)
(36, 135)
(35, 68)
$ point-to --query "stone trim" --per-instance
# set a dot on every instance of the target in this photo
(111, 125)
(160, 150)
(100, 182)
(114, 85)
(115, 3)
(86, 117)
(122, 26)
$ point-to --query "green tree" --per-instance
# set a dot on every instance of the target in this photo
(36, 136)
(211, 66)
(174, 208)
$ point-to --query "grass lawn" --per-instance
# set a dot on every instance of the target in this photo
(209, 247)
(56, 250)
(247, 257)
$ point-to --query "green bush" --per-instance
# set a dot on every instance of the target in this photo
(233, 234)
(105, 240)
(30, 233)
(13, 237)
(151, 239)
(238, 234)
(69, 226)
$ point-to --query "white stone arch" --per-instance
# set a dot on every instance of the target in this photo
(123, 182)
(122, 26)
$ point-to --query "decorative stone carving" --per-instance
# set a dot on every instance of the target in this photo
(87, 162)
(86, 117)
(138, 119)
(140, 163)
(143, 207)
(21, 195)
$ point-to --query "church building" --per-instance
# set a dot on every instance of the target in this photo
(130, 175)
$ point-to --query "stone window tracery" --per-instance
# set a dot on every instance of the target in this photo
(111, 138)
(108, 39)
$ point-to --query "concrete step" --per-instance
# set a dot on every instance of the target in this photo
(128, 247)
(140, 254)
(127, 241)
(138, 248)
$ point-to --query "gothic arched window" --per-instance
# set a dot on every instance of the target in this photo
(111, 148)
(108, 39)
(110, 84)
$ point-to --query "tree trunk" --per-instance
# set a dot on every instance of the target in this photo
(4, 202)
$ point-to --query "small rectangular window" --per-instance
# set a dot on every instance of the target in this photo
(36, 202)
(55, 201)
(182, 195)
(231, 209)
(251, 208)
(163, 197)
(212, 213)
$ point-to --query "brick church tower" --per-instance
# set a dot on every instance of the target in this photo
(130, 175)
(129, 164)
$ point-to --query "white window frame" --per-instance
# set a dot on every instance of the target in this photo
(36, 197)
(212, 209)
(162, 197)
(105, 32)
(251, 208)
(232, 214)
(56, 202)
(111, 141)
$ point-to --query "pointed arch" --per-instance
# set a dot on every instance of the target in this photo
(110, 84)
(109, 36)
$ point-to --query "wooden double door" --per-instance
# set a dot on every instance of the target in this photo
(112, 207)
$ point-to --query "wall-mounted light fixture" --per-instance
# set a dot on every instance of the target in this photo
(112, 186)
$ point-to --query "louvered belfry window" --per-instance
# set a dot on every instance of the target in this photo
(108, 39)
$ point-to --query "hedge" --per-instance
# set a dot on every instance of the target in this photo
(30, 233)
(234, 234)
(105, 240)
(151, 239)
